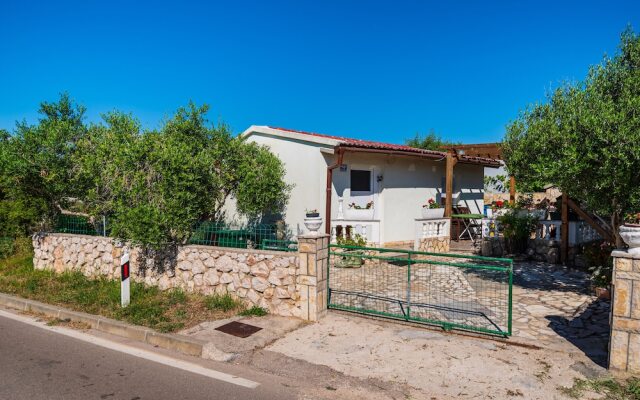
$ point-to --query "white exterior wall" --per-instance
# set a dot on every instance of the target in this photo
(306, 169)
(407, 183)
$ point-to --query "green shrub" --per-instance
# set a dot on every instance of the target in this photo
(356, 240)
(517, 227)
(221, 302)
(254, 311)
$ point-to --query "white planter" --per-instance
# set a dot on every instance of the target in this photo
(631, 236)
(432, 213)
(500, 211)
(313, 224)
(363, 214)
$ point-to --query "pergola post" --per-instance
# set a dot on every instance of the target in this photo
(564, 230)
(512, 190)
(451, 162)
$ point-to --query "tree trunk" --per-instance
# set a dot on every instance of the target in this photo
(615, 224)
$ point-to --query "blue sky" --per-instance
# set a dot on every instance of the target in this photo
(367, 69)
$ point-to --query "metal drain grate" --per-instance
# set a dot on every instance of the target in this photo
(238, 329)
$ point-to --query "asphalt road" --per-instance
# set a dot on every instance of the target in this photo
(41, 364)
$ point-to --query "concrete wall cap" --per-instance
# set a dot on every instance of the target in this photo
(624, 254)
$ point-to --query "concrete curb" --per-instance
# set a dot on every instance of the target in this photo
(182, 344)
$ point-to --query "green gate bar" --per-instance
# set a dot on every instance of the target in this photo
(453, 291)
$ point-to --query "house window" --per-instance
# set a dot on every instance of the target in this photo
(360, 180)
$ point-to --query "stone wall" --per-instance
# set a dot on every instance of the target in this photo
(537, 250)
(434, 244)
(268, 279)
(624, 346)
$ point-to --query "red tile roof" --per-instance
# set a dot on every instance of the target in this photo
(368, 144)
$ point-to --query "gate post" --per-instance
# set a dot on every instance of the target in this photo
(624, 343)
(311, 277)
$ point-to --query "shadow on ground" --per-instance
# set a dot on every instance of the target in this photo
(588, 330)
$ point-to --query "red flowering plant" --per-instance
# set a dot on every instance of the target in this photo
(498, 204)
(431, 203)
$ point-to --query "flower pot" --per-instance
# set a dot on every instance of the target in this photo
(313, 224)
(500, 211)
(603, 293)
(360, 214)
(313, 215)
(631, 236)
(432, 213)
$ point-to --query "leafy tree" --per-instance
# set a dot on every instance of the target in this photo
(585, 138)
(36, 167)
(156, 185)
(497, 183)
(430, 141)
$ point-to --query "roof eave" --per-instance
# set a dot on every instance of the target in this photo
(266, 130)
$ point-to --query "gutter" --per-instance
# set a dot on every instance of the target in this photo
(330, 169)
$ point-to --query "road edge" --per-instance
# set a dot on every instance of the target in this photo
(179, 343)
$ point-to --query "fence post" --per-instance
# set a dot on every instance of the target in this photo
(624, 343)
(312, 275)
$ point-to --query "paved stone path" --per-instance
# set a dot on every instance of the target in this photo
(552, 305)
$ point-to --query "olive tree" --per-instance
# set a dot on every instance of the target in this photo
(36, 167)
(586, 137)
(156, 185)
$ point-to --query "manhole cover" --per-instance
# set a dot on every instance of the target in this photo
(238, 329)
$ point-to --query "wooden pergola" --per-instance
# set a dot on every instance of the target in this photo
(494, 151)
(483, 150)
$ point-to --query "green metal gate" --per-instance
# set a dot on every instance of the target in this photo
(453, 291)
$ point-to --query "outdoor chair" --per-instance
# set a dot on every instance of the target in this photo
(464, 225)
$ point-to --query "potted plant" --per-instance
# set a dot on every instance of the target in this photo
(600, 263)
(313, 221)
(352, 257)
(601, 281)
(432, 210)
(358, 211)
(630, 232)
(517, 229)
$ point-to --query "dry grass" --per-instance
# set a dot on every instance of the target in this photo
(166, 311)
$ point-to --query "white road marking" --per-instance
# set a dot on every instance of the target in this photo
(147, 355)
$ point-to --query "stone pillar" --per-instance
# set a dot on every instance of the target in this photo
(311, 280)
(624, 344)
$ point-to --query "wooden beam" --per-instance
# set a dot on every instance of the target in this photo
(512, 190)
(451, 162)
(564, 230)
(606, 235)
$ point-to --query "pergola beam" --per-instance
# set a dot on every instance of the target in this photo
(452, 160)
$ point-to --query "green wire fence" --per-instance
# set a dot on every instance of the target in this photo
(210, 233)
(81, 225)
(449, 290)
(253, 236)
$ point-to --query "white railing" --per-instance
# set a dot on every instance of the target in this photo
(549, 230)
(431, 228)
(369, 230)
(582, 232)
(579, 231)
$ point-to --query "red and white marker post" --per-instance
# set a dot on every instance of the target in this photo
(125, 287)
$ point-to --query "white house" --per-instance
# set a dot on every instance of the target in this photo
(397, 180)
